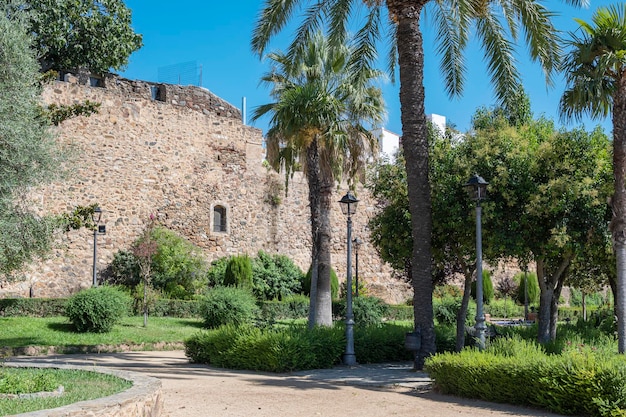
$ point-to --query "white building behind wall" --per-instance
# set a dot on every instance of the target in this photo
(389, 142)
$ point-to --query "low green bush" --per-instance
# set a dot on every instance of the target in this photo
(578, 381)
(166, 307)
(275, 276)
(367, 311)
(376, 344)
(504, 308)
(228, 305)
(32, 307)
(400, 312)
(216, 272)
(272, 350)
(97, 309)
(292, 307)
(283, 349)
(445, 310)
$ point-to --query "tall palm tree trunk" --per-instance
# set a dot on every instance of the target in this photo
(618, 222)
(415, 146)
(324, 295)
(313, 168)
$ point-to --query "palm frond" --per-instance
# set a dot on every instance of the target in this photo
(272, 19)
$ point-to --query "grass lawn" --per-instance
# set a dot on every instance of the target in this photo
(78, 386)
(19, 332)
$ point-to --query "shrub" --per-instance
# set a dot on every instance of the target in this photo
(275, 276)
(441, 291)
(487, 288)
(274, 350)
(399, 312)
(367, 311)
(334, 284)
(228, 305)
(445, 310)
(239, 272)
(97, 309)
(217, 270)
(33, 307)
(505, 308)
(578, 381)
(123, 270)
(291, 307)
(178, 268)
(533, 287)
(376, 344)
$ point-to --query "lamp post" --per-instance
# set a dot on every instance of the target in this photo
(357, 244)
(477, 188)
(348, 207)
(96, 216)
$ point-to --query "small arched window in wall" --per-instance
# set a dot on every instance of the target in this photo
(219, 219)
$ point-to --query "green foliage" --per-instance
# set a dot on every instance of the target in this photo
(533, 288)
(80, 217)
(487, 288)
(34, 381)
(239, 272)
(441, 291)
(94, 34)
(367, 311)
(578, 381)
(123, 269)
(595, 299)
(274, 350)
(29, 155)
(291, 307)
(228, 305)
(445, 310)
(32, 307)
(178, 268)
(97, 309)
(217, 270)
(400, 312)
(504, 308)
(376, 343)
(294, 347)
(275, 276)
(334, 284)
(57, 113)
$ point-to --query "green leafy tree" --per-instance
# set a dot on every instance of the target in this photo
(28, 153)
(496, 24)
(323, 99)
(71, 34)
(143, 250)
(453, 238)
(546, 199)
(595, 72)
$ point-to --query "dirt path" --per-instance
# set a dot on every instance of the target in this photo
(364, 391)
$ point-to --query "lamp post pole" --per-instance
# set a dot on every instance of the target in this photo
(95, 256)
(348, 206)
(480, 316)
(477, 189)
(357, 244)
(96, 216)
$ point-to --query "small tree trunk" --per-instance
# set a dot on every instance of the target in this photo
(462, 313)
(584, 300)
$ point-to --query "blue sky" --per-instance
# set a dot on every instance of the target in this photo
(216, 37)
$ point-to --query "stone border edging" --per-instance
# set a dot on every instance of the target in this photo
(143, 399)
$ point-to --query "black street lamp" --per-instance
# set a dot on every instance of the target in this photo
(348, 207)
(477, 189)
(96, 216)
(357, 244)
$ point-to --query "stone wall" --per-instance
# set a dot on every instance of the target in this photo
(178, 152)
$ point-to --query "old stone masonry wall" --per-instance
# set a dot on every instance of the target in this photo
(183, 155)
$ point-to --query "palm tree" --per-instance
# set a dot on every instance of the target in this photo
(595, 72)
(497, 25)
(322, 99)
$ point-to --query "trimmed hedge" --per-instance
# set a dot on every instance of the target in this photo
(578, 381)
(32, 307)
(97, 309)
(283, 349)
